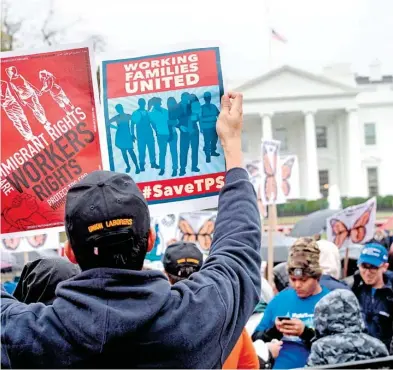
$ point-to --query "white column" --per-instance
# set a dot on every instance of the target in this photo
(356, 177)
(267, 131)
(342, 153)
(311, 156)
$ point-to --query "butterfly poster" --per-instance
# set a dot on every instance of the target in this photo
(290, 177)
(254, 170)
(30, 243)
(197, 227)
(271, 174)
(353, 225)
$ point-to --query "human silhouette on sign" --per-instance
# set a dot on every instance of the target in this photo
(27, 94)
(188, 116)
(144, 134)
(209, 115)
(49, 84)
(159, 120)
(15, 112)
(173, 136)
(124, 140)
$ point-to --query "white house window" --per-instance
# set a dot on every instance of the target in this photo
(369, 134)
(281, 135)
(324, 182)
(321, 132)
(372, 178)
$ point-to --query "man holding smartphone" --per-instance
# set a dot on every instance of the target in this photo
(289, 316)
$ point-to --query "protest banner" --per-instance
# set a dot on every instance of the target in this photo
(49, 136)
(289, 177)
(387, 225)
(254, 169)
(275, 179)
(271, 175)
(289, 188)
(198, 228)
(271, 179)
(160, 115)
(30, 243)
(352, 225)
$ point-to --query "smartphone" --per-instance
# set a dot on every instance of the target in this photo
(281, 318)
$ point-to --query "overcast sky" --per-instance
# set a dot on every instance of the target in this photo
(319, 32)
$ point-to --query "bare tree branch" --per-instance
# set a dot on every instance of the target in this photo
(8, 28)
(98, 42)
(47, 34)
(50, 33)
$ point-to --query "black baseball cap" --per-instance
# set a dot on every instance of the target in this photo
(106, 218)
(182, 259)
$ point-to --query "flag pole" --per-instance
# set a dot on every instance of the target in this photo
(269, 33)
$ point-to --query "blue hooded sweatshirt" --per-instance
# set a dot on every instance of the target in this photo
(110, 318)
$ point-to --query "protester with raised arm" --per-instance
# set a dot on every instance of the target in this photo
(114, 314)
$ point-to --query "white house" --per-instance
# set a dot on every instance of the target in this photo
(340, 126)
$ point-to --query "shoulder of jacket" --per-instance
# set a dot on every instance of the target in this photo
(175, 290)
(389, 278)
(321, 345)
(35, 309)
(374, 342)
(322, 341)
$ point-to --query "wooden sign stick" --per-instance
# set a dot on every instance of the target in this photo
(272, 219)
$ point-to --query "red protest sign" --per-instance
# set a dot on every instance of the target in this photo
(49, 134)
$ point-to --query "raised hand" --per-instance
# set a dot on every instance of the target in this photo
(229, 128)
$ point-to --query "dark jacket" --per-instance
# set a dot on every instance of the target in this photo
(340, 333)
(110, 318)
(331, 283)
(378, 309)
(39, 279)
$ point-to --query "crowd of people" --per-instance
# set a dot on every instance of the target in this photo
(318, 317)
(102, 308)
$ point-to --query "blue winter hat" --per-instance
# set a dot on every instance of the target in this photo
(373, 254)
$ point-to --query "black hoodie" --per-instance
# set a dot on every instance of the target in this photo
(110, 318)
(39, 279)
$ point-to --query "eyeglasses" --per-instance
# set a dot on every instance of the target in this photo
(366, 266)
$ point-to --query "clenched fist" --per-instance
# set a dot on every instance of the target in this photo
(229, 128)
(22, 208)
